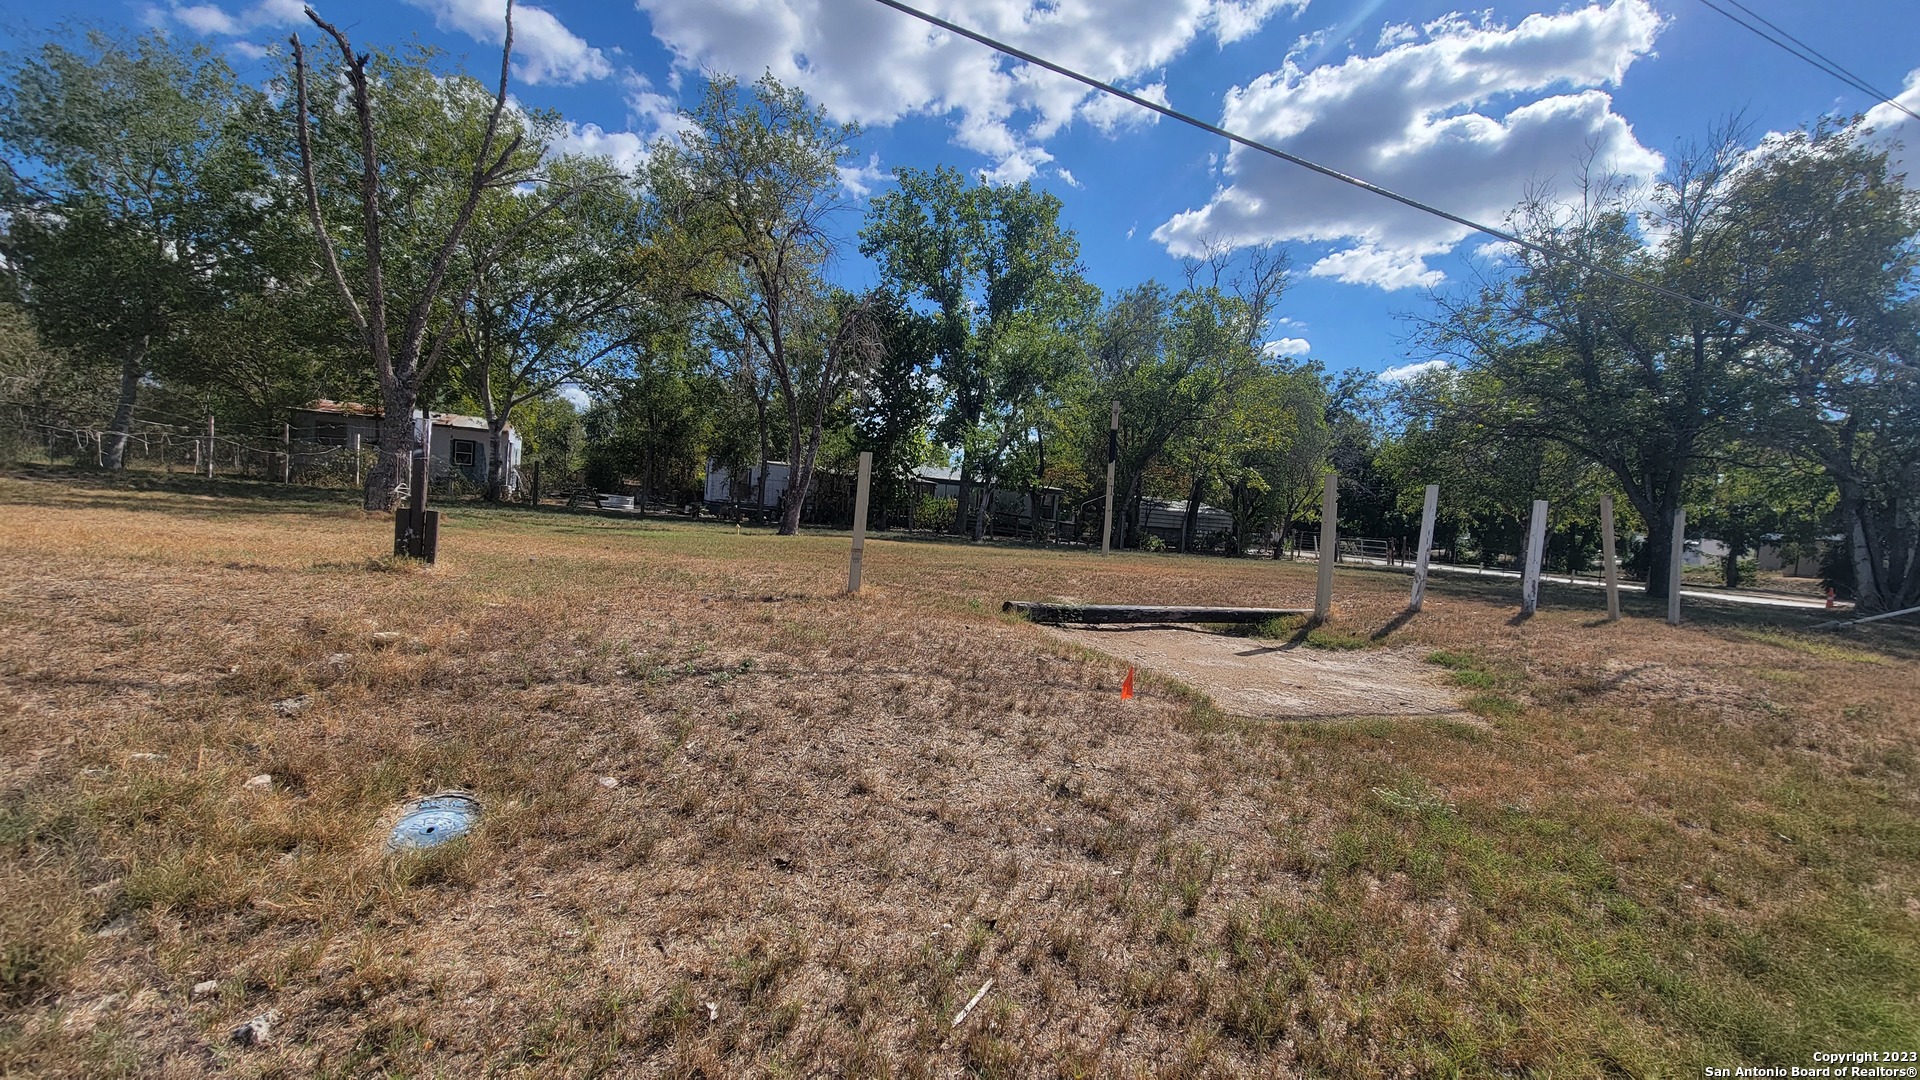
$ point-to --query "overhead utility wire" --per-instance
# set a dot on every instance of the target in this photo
(1385, 193)
(1804, 51)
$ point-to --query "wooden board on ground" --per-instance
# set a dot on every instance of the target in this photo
(1055, 614)
(1262, 678)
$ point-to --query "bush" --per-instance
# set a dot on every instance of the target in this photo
(935, 514)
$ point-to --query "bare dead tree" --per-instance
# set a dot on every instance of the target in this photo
(402, 365)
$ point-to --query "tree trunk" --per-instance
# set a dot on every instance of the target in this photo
(1660, 551)
(496, 465)
(986, 504)
(131, 368)
(1192, 517)
(965, 505)
(1883, 555)
(760, 484)
(396, 448)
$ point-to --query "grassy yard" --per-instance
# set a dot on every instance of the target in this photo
(740, 824)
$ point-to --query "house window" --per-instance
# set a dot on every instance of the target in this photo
(463, 451)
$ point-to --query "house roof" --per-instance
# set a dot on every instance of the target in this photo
(344, 408)
(457, 421)
(946, 474)
(354, 408)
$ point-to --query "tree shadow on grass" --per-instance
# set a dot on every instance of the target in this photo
(58, 487)
(1395, 623)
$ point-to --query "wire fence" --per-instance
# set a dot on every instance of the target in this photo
(309, 462)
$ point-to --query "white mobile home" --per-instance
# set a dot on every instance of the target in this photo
(456, 444)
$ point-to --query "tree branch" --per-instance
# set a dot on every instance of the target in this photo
(313, 190)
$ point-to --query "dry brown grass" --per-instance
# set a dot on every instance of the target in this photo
(1654, 849)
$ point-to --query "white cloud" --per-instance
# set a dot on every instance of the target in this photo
(1287, 346)
(247, 50)
(1891, 126)
(860, 180)
(1113, 115)
(547, 50)
(866, 63)
(212, 20)
(1235, 19)
(1066, 177)
(651, 116)
(1410, 372)
(1394, 34)
(1496, 251)
(1425, 119)
(1388, 269)
(626, 149)
(1018, 167)
(650, 111)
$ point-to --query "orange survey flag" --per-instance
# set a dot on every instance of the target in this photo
(1126, 687)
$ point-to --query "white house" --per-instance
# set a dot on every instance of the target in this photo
(455, 443)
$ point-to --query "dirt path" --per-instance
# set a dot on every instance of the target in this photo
(1273, 680)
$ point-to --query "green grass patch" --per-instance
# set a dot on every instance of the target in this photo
(1493, 706)
(1296, 628)
(1822, 648)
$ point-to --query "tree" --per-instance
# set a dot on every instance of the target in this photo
(398, 176)
(122, 163)
(553, 307)
(652, 423)
(1004, 280)
(1828, 247)
(1635, 382)
(1488, 479)
(1232, 303)
(1274, 445)
(743, 207)
(892, 416)
(1177, 363)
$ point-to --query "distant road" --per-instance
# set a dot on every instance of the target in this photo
(1776, 600)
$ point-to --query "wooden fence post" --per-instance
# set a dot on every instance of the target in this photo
(859, 520)
(1329, 544)
(286, 453)
(1426, 544)
(1113, 456)
(1536, 551)
(1607, 561)
(1673, 569)
(356, 460)
(209, 448)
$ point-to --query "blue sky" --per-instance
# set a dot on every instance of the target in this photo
(1464, 109)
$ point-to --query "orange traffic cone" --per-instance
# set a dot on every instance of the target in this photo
(1126, 687)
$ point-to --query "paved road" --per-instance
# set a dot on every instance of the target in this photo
(1775, 600)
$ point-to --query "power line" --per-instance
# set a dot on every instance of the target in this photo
(1804, 51)
(1385, 193)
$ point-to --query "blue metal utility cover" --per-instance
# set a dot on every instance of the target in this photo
(434, 820)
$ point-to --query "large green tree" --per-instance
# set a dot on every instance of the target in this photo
(553, 307)
(124, 166)
(1002, 277)
(743, 207)
(1639, 383)
(1827, 246)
